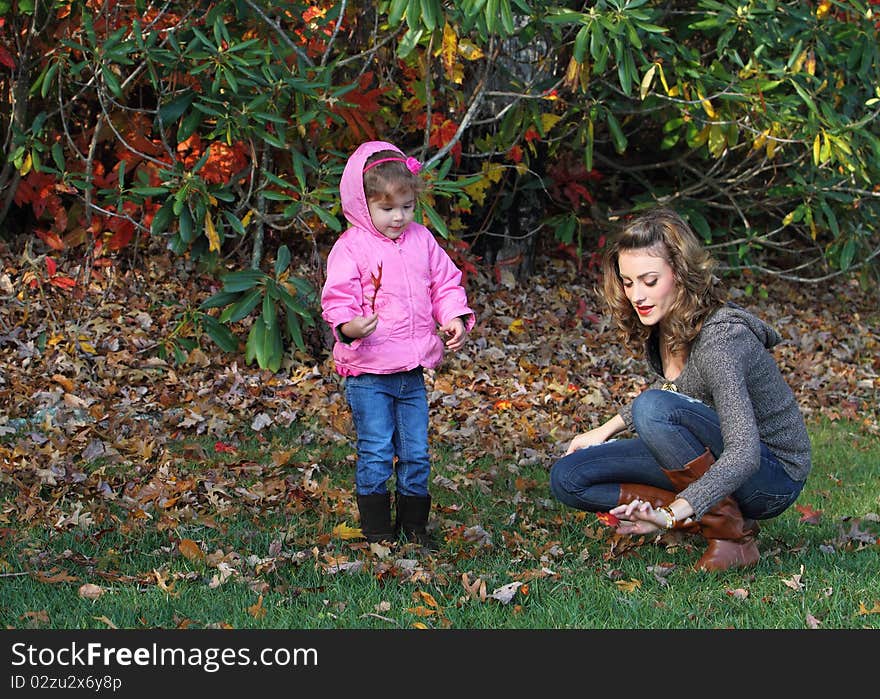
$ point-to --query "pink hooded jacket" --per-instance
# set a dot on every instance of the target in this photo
(421, 286)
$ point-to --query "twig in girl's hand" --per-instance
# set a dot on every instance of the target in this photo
(377, 283)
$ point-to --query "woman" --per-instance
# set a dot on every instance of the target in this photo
(719, 441)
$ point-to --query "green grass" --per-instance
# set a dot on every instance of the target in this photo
(269, 526)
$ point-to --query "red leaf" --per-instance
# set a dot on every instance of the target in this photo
(6, 58)
(808, 514)
(224, 448)
(608, 519)
(51, 267)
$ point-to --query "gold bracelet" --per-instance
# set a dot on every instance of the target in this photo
(670, 517)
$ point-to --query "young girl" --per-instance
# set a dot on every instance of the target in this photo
(720, 441)
(389, 285)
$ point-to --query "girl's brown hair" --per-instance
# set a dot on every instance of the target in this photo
(389, 178)
(663, 232)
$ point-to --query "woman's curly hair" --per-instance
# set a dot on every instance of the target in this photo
(697, 294)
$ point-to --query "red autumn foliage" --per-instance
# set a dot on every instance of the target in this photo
(608, 519)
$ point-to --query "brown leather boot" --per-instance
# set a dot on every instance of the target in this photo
(657, 497)
(731, 537)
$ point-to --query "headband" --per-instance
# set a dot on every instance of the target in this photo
(413, 165)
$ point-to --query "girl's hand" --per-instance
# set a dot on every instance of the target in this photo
(638, 518)
(454, 329)
(362, 326)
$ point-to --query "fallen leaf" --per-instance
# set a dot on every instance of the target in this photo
(505, 593)
(257, 610)
(628, 585)
(739, 593)
(812, 621)
(343, 531)
(190, 550)
(809, 514)
(863, 610)
(91, 591)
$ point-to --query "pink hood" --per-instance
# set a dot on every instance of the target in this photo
(421, 286)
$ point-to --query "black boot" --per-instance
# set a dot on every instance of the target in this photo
(375, 511)
(412, 519)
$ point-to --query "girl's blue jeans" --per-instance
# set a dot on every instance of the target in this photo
(390, 413)
(672, 430)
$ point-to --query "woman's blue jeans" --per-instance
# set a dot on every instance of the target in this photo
(390, 413)
(672, 430)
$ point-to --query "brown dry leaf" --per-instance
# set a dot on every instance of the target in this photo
(422, 611)
(190, 550)
(257, 610)
(474, 590)
(36, 618)
(54, 576)
(813, 622)
(91, 591)
(794, 582)
(738, 593)
(104, 620)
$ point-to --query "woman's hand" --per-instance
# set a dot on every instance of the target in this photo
(362, 326)
(638, 518)
(584, 440)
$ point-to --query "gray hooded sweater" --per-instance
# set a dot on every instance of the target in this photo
(730, 369)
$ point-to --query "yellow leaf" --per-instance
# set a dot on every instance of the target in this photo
(571, 74)
(469, 51)
(247, 218)
(419, 625)
(817, 149)
(707, 106)
(663, 79)
(449, 53)
(628, 585)
(548, 121)
(811, 62)
(863, 610)
(211, 232)
(823, 9)
(26, 165)
(647, 80)
(789, 217)
(343, 531)
(517, 326)
(422, 611)
(428, 599)
(799, 63)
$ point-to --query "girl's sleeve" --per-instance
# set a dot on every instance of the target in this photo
(448, 297)
(341, 297)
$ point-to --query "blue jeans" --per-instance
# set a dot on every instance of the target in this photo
(390, 413)
(672, 430)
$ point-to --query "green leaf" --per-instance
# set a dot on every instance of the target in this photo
(162, 219)
(172, 111)
(242, 308)
(220, 334)
(218, 300)
(282, 260)
(242, 280)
